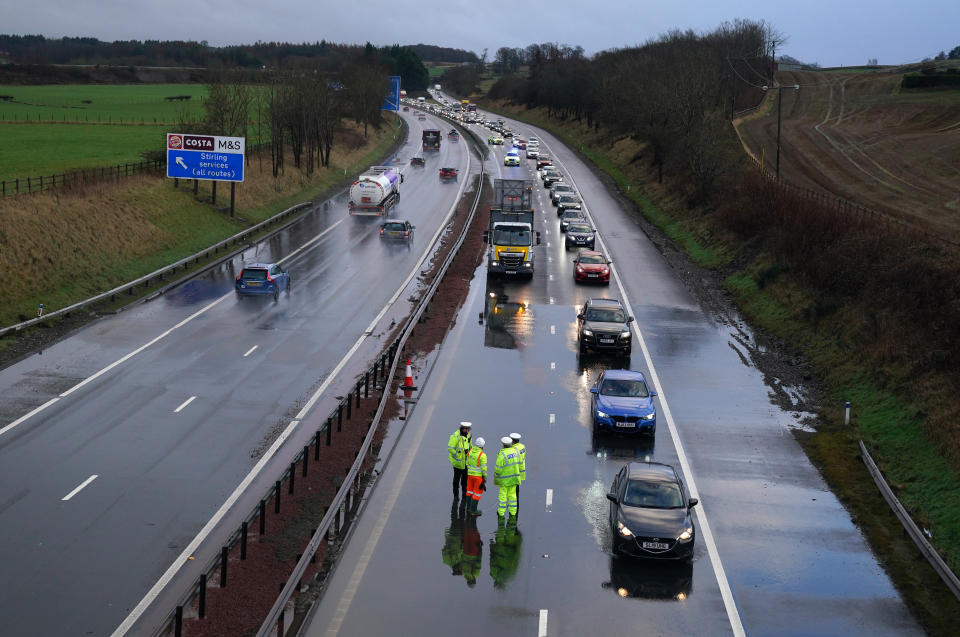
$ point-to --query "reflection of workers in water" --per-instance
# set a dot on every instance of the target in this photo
(453, 539)
(505, 552)
(472, 551)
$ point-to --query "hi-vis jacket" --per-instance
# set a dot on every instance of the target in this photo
(507, 470)
(522, 450)
(457, 448)
(477, 462)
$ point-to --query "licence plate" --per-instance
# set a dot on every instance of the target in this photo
(626, 424)
(606, 341)
(593, 276)
(659, 546)
(253, 283)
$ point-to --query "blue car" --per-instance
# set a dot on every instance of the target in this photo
(622, 402)
(262, 278)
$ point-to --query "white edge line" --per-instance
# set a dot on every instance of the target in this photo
(250, 351)
(733, 613)
(28, 415)
(79, 488)
(184, 404)
(168, 575)
(542, 628)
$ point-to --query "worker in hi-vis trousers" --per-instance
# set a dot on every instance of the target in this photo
(457, 449)
(522, 450)
(476, 476)
(506, 475)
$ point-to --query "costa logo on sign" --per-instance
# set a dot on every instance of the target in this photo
(196, 142)
(174, 141)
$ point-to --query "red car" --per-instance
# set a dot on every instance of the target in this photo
(542, 161)
(591, 267)
(448, 173)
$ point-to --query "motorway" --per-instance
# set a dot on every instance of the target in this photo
(776, 553)
(120, 443)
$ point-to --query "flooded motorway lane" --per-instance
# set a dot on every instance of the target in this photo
(783, 546)
(161, 438)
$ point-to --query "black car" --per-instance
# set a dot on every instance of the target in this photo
(650, 512)
(570, 216)
(551, 177)
(579, 234)
(604, 326)
(568, 202)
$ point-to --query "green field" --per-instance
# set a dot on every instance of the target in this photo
(118, 124)
(31, 150)
(127, 103)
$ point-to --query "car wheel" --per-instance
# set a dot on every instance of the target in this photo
(583, 348)
(276, 295)
(288, 285)
(239, 296)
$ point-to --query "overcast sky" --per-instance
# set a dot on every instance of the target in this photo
(830, 32)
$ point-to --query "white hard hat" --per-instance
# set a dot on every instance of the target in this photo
(466, 424)
(515, 436)
(479, 442)
(507, 440)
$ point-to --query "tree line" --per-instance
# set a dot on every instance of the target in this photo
(268, 56)
(675, 94)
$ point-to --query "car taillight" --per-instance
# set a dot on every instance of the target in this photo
(406, 233)
(381, 232)
(239, 275)
(269, 278)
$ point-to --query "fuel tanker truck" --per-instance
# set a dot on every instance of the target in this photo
(375, 191)
(510, 233)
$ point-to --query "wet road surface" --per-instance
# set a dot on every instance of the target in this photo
(785, 558)
(149, 449)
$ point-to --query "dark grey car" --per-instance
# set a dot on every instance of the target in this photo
(604, 326)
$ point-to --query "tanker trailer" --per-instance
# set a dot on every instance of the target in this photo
(375, 191)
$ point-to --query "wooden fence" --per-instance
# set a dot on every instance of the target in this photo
(80, 177)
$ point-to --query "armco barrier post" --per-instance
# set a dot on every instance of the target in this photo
(293, 475)
(276, 497)
(202, 597)
(243, 541)
(224, 555)
(358, 394)
(178, 622)
(263, 517)
(329, 429)
(339, 417)
(349, 406)
(316, 446)
(366, 385)
(306, 456)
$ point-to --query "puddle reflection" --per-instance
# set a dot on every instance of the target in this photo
(649, 579)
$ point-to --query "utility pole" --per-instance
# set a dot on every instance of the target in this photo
(779, 90)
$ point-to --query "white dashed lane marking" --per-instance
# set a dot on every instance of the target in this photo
(79, 488)
(542, 628)
(250, 351)
(184, 404)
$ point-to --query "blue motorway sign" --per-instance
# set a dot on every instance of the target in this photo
(392, 100)
(205, 157)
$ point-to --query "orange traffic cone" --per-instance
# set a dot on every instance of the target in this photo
(408, 378)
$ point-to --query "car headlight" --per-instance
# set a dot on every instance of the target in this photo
(625, 334)
(650, 416)
(624, 531)
(602, 414)
(686, 534)
(494, 263)
(587, 332)
(526, 264)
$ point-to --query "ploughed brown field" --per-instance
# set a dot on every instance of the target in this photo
(858, 136)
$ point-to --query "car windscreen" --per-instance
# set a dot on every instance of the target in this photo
(606, 315)
(511, 237)
(655, 495)
(254, 274)
(624, 388)
(573, 214)
(579, 227)
(591, 258)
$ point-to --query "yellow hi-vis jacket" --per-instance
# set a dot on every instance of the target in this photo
(507, 470)
(477, 462)
(457, 448)
(522, 450)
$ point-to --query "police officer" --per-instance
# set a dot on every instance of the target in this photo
(506, 475)
(457, 449)
(522, 450)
